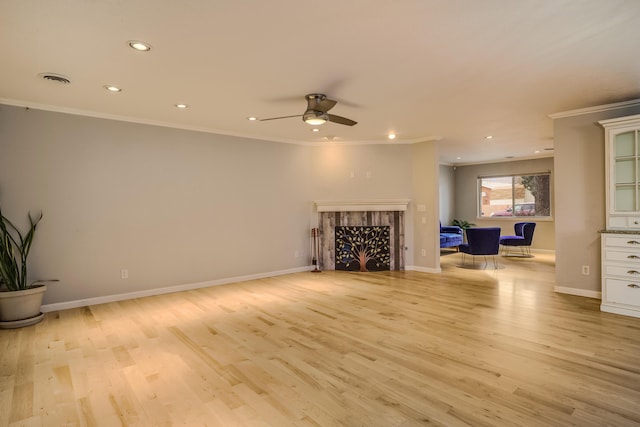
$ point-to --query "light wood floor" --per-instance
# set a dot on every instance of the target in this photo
(465, 347)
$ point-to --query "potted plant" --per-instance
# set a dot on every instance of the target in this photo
(464, 225)
(20, 300)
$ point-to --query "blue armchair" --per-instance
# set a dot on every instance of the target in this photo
(450, 236)
(522, 239)
(482, 241)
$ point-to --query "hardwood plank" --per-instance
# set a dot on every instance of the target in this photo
(394, 348)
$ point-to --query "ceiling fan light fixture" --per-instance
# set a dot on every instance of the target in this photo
(316, 112)
(315, 121)
(315, 118)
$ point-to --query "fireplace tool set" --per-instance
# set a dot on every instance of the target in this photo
(315, 251)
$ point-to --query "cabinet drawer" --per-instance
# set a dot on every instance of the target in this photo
(625, 292)
(622, 241)
(632, 272)
(629, 257)
(630, 222)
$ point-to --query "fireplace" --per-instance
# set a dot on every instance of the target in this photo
(387, 216)
(362, 248)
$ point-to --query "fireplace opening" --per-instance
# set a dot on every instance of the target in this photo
(362, 248)
(328, 222)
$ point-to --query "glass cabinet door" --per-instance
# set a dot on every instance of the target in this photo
(626, 172)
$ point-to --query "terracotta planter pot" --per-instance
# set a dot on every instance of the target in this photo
(21, 308)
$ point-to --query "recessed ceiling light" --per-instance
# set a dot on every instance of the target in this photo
(112, 88)
(315, 130)
(488, 137)
(537, 152)
(140, 46)
(392, 136)
(182, 106)
(458, 158)
(252, 119)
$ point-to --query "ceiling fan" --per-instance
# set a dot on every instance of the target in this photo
(316, 113)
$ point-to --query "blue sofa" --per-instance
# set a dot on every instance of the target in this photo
(450, 236)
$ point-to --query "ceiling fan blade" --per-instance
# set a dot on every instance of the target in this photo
(341, 120)
(277, 118)
(325, 105)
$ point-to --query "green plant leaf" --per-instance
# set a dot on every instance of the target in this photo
(14, 250)
(462, 223)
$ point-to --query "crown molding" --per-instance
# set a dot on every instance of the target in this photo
(172, 125)
(595, 109)
(619, 120)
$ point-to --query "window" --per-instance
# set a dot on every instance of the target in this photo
(515, 196)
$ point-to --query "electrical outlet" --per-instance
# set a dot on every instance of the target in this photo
(586, 270)
(124, 273)
(423, 252)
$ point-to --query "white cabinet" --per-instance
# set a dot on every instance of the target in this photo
(622, 165)
(621, 273)
(621, 239)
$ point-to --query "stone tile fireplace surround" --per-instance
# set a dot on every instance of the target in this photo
(361, 213)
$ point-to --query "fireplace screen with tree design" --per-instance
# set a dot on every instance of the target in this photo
(362, 248)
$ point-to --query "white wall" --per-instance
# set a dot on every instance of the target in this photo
(177, 207)
(379, 172)
(580, 198)
(173, 207)
(426, 193)
(447, 194)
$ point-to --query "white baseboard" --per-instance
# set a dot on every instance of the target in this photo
(578, 292)
(167, 290)
(543, 251)
(422, 269)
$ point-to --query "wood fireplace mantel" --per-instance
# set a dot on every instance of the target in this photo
(362, 205)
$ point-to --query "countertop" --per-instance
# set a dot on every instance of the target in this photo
(619, 232)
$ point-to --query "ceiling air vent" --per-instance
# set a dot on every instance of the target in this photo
(58, 78)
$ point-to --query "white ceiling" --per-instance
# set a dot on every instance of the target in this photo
(455, 70)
